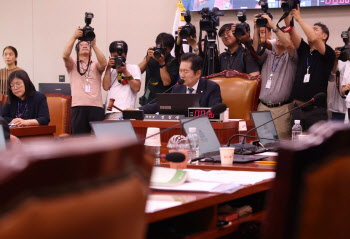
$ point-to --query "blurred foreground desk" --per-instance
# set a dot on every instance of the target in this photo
(31, 131)
(194, 215)
(223, 130)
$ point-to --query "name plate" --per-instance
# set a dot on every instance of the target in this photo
(163, 117)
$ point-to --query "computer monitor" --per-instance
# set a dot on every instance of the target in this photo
(114, 127)
(267, 131)
(208, 141)
(60, 88)
(175, 103)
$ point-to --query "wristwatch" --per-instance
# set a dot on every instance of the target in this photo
(196, 49)
(161, 66)
(275, 30)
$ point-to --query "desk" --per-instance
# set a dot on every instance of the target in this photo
(223, 130)
(30, 131)
(196, 216)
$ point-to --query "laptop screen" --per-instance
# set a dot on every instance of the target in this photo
(2, 139)
(120, 127)
(176, 104)
(267, 131)
(208, 141)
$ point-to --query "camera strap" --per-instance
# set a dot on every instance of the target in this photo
(291, 25)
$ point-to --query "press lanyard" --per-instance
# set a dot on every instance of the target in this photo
(307, 61)
(86, 78)
(114, 79)
(274, 57)
(24, 109)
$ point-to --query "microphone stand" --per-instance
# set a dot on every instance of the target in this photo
(248, 147)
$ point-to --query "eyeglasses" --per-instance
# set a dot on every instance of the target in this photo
(16, 85)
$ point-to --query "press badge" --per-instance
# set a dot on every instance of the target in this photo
(87, 88)
(307, 76)
(268, 84)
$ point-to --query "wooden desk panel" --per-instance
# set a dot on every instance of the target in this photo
(30, 131)
(199, 211)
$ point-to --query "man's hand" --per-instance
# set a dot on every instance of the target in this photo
(178, 41)
(121, 69)
(19, 122)
(269, 24)
(93, 43)
(150, 54)
(111, 62)
(337, 53)
(160, 60)
(245, 38)
(78, 33)
(296, 14)
(233, 29)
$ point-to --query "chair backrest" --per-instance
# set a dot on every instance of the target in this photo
(60, 112)
(3, 99)
(239, 91)
(310, 195)
(78, 188)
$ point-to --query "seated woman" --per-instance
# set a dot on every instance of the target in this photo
(24, 106)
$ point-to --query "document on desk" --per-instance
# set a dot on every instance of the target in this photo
(218, 181)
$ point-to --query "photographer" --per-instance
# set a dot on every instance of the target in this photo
(235, 52)
(192, 41)
(338, 101)
(278, 73)
(316, 60)
(121, 80)
(161, 68)
(86, 84)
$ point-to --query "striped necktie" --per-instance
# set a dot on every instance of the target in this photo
(190, 90)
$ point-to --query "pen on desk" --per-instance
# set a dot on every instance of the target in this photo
(196, 159)
(267, 162)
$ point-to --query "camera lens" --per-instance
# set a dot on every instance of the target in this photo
(157, 53)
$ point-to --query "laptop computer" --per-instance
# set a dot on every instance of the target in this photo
(209, 143)
(265, 132)
(120, 127)
(175, 103)
(61, 88)
(2, 139)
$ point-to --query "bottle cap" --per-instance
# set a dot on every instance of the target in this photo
(192, 129)
(296, 121)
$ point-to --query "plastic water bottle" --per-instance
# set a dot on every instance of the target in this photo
(194, 143)
(296, 130)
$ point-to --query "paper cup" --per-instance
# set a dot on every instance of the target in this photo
(154, 140)
(226, 155)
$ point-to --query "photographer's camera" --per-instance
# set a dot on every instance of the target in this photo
(159, 50)
(243, 26)
(187, 30)
(88, 31)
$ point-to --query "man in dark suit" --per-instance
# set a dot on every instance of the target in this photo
(209, 93)
(6, 128)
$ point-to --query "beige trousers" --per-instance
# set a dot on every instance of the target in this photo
(282, 124)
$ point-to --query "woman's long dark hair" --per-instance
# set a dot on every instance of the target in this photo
(29, 87)
(14, 51)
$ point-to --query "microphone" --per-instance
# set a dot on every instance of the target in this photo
(218, 109)
(179, 82)
(175, 157)
(243, 147)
